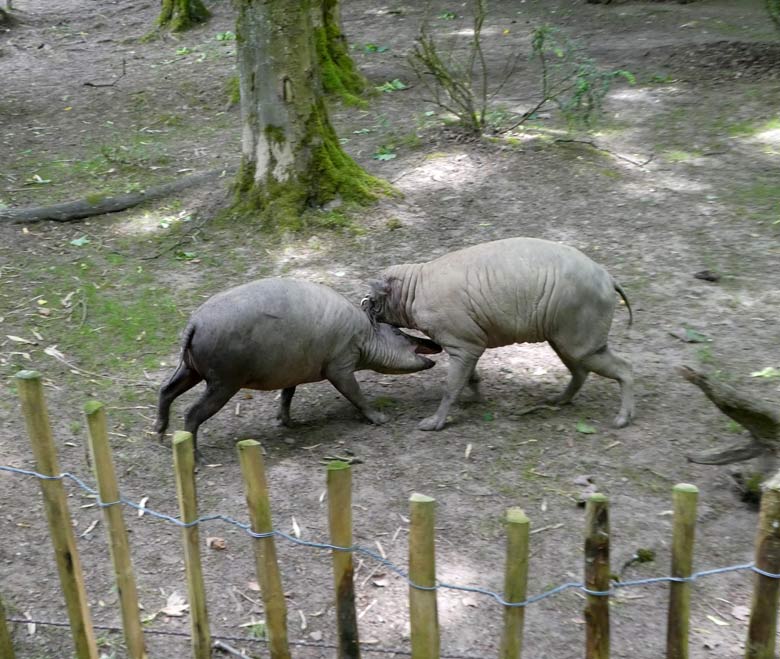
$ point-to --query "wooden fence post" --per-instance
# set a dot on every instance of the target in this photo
(184, 464)
(250, 455)
(6, 647)
(422, 572)
(762, 628)
(685, 497)
(340, 523)
(515, 582)
(118, 545)
(597, 577)
(55, 502)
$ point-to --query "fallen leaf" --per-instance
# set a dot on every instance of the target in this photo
(89, 529)
(19, 339)
(214, 542)
(380, 582)
(175, 607)
(707, 275)
(468, 451)
(295, 528)
(253, 585)
(584, 428)
(142, 506)
(688, 335)
(316, 636)
(741, 612)
(53, 352)
(718, 621)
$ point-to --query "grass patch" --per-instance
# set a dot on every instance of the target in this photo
(759, 202)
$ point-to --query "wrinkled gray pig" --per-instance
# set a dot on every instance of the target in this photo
(277, 334)
(518, 290)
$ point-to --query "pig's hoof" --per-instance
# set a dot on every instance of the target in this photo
(431, 423)
(622, 420)
(282, 422)
(377, 418)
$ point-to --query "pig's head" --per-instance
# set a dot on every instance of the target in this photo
(393, 352)
(382, 303)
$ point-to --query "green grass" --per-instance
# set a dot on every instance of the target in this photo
(118, 319)
(759, 202)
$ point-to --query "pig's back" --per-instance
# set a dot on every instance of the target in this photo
(510, 291)
(270, 333)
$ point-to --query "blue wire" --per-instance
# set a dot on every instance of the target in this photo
(357, 549)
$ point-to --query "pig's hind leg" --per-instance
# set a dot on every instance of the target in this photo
(578, 376)
(608, 364)
(211, 401)
(183, 379)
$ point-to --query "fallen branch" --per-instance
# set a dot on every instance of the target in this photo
(603, 150)
(759, 418)
(76, 210)
(109, 84)
(229, 649)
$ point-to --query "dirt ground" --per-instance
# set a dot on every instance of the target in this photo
(680, 176)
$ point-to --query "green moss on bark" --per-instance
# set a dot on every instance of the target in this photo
(180, 15)
(339, 73)
(330, 174)
(233, 90)
(773, 7)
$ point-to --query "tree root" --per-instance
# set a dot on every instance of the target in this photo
(76, 210)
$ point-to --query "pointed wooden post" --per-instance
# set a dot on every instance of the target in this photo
(184, 464)
(597, 577)
(66, 554)
(515, 582)
(6, 647)
(250, 455)
(685, 497)
(340, 523)
(423, 610)
(118, 545)
(762, 628)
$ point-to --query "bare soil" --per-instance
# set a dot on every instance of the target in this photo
(681, 176)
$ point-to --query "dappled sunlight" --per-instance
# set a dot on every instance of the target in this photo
(443, 170)
(770, 137)
(641, 94)
(145, 222)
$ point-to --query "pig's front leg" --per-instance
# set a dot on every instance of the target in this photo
(463, 363)
(283, 415)
(344, 380)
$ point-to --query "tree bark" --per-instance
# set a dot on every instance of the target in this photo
(181, 15)
(340, 76)
(291, 156)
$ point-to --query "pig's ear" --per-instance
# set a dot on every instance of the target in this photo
(379, 288)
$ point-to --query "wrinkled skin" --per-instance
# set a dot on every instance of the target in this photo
(277, 334)
(518, 290)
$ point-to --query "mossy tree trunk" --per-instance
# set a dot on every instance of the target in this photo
(339, 73)
(773, 6)
(180, 15)
(291, 156)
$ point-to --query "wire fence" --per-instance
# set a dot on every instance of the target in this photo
(365, 648)
(384, 562)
